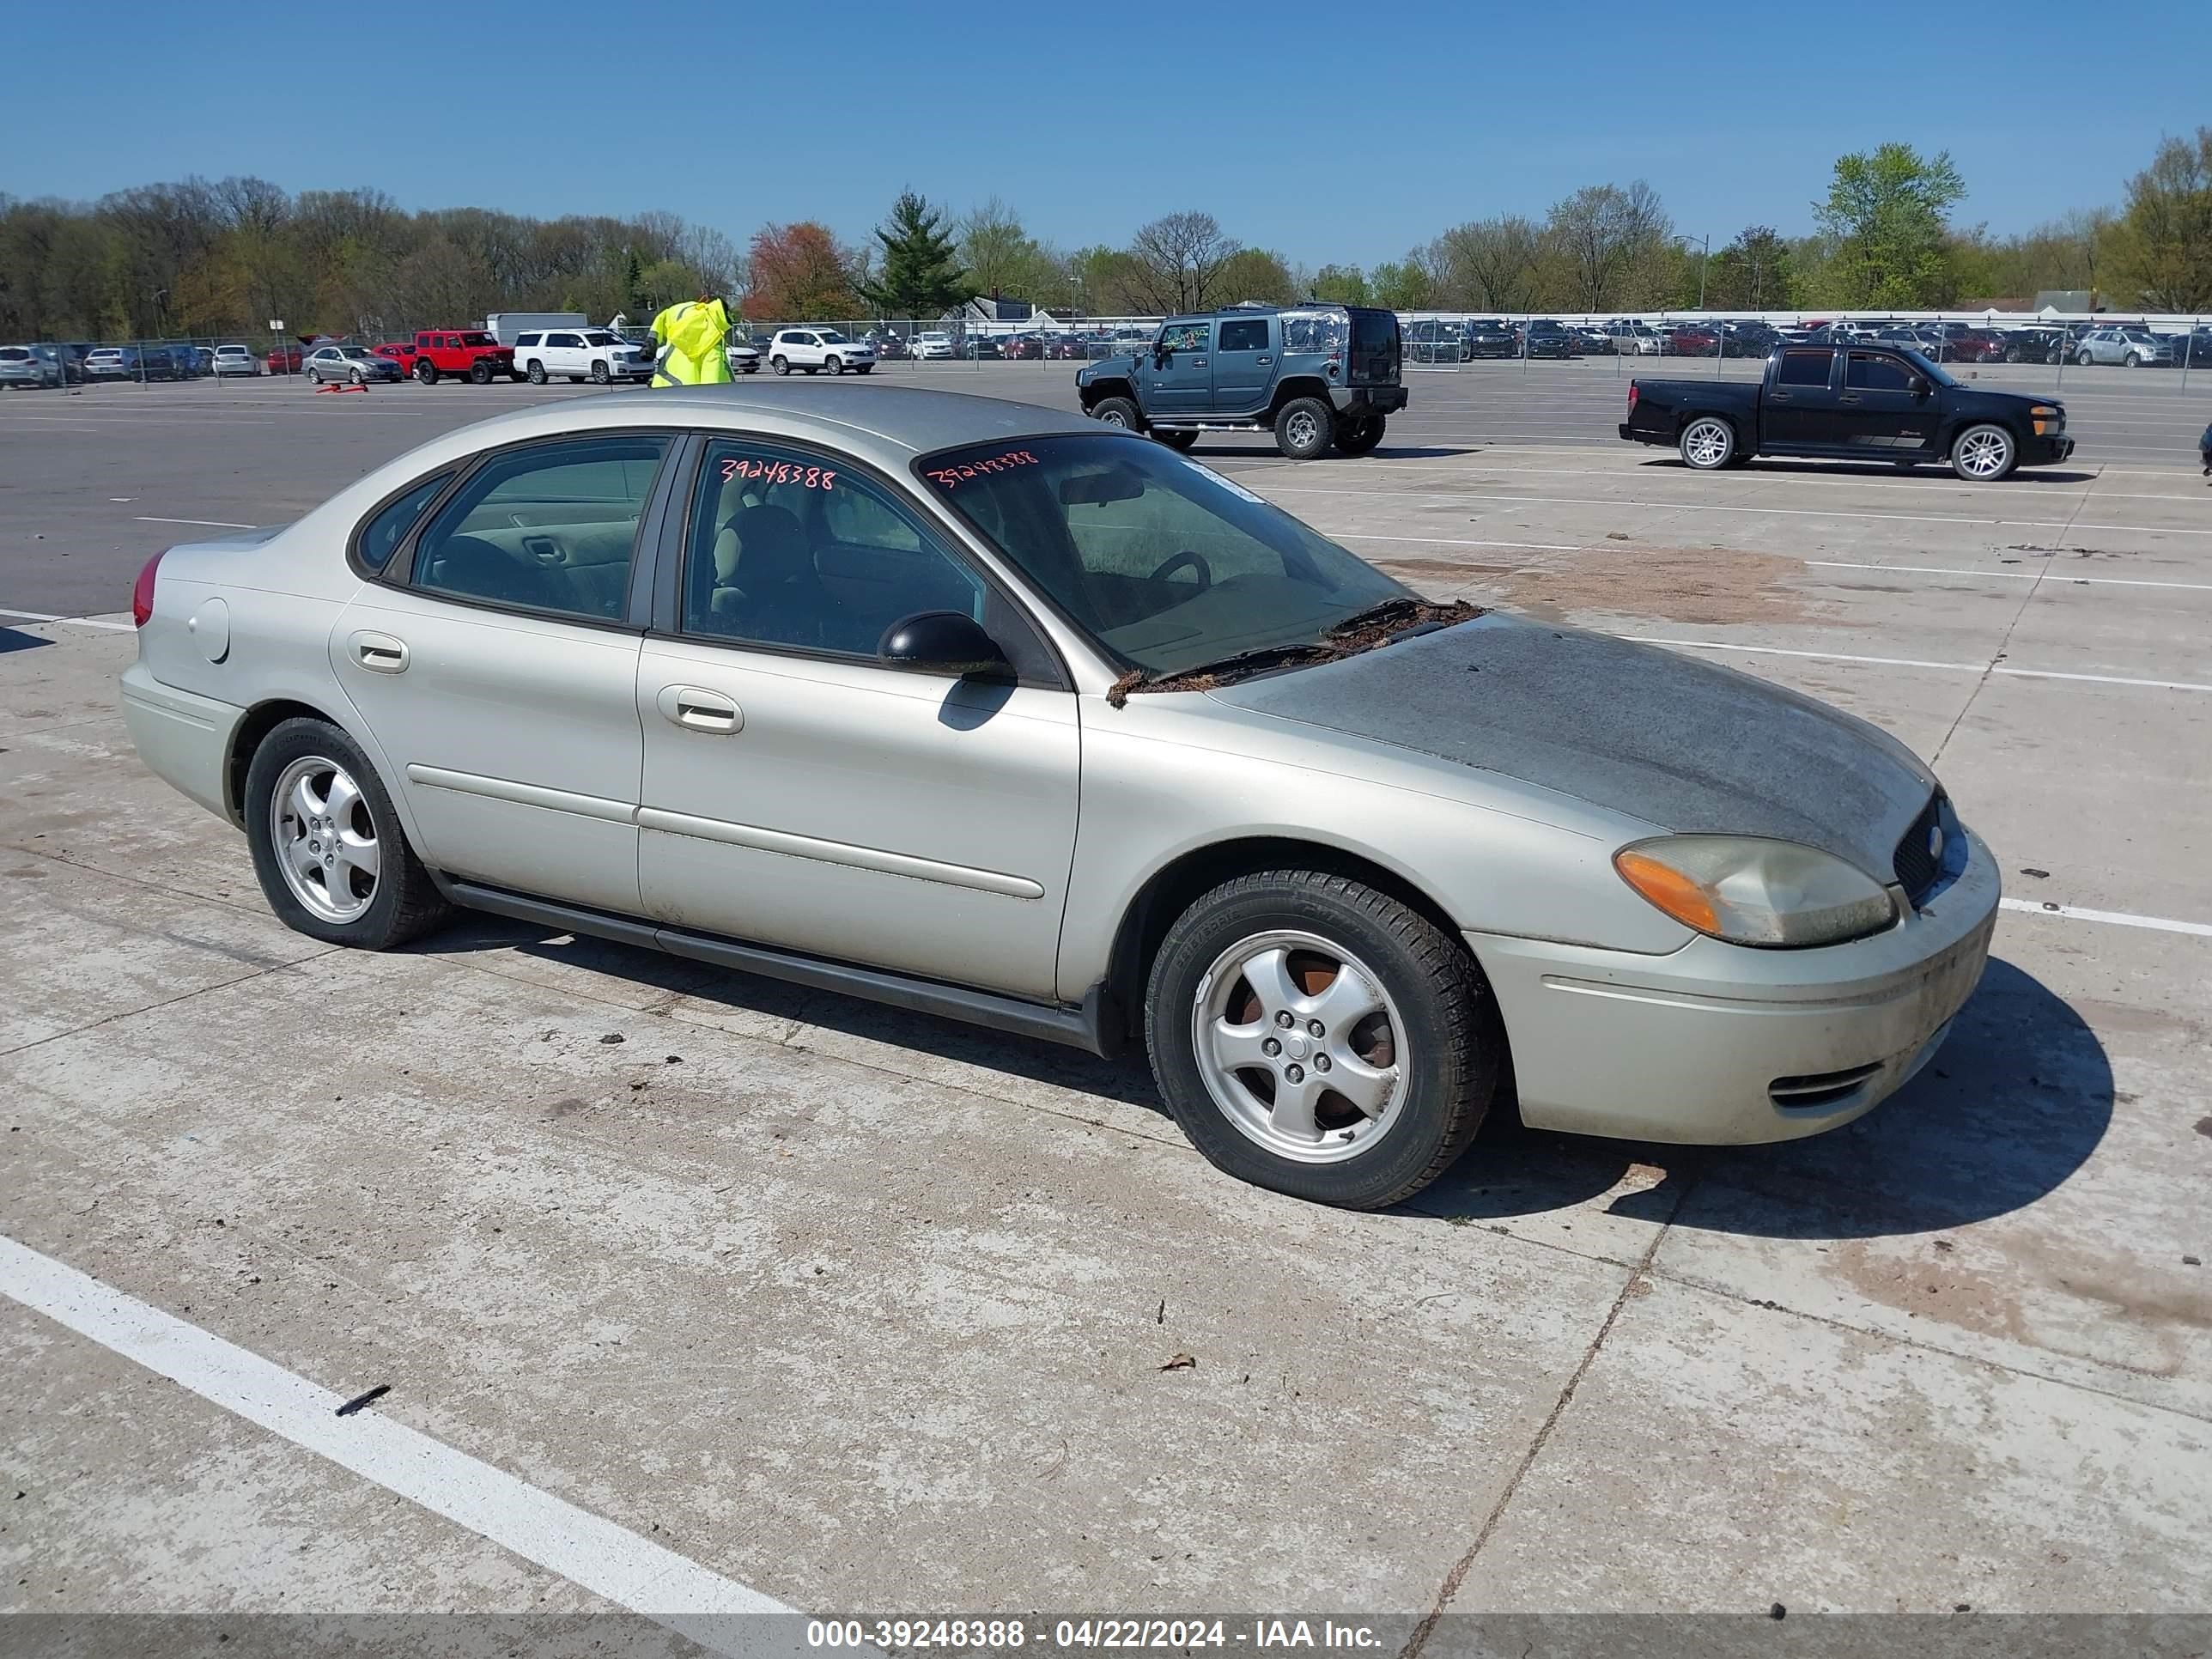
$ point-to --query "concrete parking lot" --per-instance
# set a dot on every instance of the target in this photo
(853, 1311)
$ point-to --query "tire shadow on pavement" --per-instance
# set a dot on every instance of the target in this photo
(2015, 1103)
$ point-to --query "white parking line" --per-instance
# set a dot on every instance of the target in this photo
(213, 524)
(1761, 512)
(2054, 573)
(1445, 541)
(2117, 918)
(1915, 662)
(632, 1571)
(67, 622)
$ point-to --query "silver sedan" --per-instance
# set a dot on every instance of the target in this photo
(986, 710)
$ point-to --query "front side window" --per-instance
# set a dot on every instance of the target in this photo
(1185, 337)
(1804, 368)
(1867, 371)
(547, 527)
(1165, 563)
(793, 548)
(1248, 334)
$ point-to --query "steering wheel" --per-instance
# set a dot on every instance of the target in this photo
(1187, 557)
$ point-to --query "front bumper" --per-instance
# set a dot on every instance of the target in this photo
(2045, 451)
(1717, 1044)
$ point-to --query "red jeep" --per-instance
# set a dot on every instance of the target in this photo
(472, 352)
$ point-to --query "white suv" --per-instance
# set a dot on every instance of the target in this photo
(935, 344)
(816, 348)
(596, 353)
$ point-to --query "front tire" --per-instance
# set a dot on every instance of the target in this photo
(835, 364)
(1118, 411)
(355, 377)
(601, 376)
(2085, 360)
(1304, 428)
(1385, 1047)
(1708, 443)
(328, 846)
(479, 372)
(1984, 454)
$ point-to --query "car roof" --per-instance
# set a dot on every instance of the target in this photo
(886, 423)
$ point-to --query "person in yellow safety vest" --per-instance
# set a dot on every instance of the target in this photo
(693, 331)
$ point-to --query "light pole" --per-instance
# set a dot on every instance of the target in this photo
(1704, 259)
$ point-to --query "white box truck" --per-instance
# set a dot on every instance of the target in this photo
(504, 325)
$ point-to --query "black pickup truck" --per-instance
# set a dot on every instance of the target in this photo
(1849, 402)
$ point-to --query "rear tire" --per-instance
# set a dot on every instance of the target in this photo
(1708, 443)
(1304, 428)
(779, 365)
(536, 373)
(1414, 1026)
(1360, 435)
(402, 901)
(426, 371)
(1118, 411)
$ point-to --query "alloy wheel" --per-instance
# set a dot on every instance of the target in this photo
(1983, 454)
(1706, 443)
(1300, 1046)
(1303, 430)
(325, 839)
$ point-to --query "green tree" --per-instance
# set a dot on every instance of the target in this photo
(921, 275)
(2165, 245)
(1752, 272)
(1256, 273)
(1887, 219)
(1346, 285)
(1405, 285)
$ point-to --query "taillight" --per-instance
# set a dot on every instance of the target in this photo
(142, 593)
(1634, 392)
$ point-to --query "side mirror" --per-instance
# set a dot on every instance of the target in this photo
(944, 642)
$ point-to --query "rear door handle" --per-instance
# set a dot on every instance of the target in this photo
(1262, 360)
(380, 653)
(697, 710)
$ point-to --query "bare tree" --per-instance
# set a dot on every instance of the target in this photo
(1491, 264)
(1176, 262)
(1602, 232)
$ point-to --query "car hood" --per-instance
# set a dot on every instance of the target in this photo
(1691, 746)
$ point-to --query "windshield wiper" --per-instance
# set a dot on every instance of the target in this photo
(1379, 624)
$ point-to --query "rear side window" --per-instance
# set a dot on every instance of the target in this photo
(562, 340)
(1804, 368)
(1250, 334)
(388, 527)
(548, 527)
(527, 339)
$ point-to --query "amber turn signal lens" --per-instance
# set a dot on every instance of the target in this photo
(1670, 890)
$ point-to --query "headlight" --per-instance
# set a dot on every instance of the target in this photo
(1750, 890)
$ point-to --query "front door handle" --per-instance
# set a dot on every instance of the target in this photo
(380, 653)
(697, 710)
(1850, 397)
(1197, 362)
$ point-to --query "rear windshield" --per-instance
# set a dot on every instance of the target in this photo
(14, 354)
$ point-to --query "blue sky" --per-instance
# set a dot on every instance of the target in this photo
(1300, 128)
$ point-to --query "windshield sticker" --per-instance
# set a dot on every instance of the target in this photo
(1227, 483)
(950, 478)
(807, 477)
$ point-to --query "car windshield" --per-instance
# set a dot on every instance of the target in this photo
(599, 337)
(1169, 565)
(829, 337)
(355, 351)
(1926, 365)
